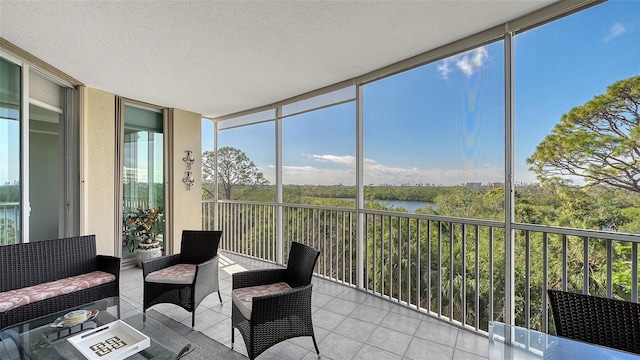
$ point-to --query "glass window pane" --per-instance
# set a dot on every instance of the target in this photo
(246, 158)
(577, 89)
(249, 119)
(10, 114)
(434, 137)
(318, 156)
(345, 94)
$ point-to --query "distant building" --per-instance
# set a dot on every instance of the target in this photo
(472, 184)
(135, 175)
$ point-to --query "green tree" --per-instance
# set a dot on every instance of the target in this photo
(598, 141)
(9, 192)
(235, 170)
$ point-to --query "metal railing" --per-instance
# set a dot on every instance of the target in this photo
(591, 262)
(451, 268)
(330, 230)
(131, 204)
(248, 228)
(445, 267)
(9, 223)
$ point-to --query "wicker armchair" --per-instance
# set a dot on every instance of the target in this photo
(273, 305)
(596, 320)
(184, 279)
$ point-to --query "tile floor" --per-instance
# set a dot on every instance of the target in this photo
(349, 324)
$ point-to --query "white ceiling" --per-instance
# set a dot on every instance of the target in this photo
(220, 57)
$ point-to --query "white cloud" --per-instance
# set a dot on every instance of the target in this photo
(335, 159)
(471, 61)
(376, 173)
(444, 68)
(468, 62)
(616, 30)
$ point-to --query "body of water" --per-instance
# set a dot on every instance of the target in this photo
(411, 206)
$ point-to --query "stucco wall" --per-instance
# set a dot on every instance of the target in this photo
(97, 178)
(187, 208)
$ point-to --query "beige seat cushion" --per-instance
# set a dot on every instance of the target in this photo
(243, 297)
(176, 274)
(19, 297)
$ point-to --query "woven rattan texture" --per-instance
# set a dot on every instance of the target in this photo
(281, 316)
(199, 248)
(29, 264)
(597, 320)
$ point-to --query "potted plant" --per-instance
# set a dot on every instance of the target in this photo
(142, 231)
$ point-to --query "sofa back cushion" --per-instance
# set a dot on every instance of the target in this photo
(29, 264)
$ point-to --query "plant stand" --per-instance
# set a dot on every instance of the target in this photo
(147, 251)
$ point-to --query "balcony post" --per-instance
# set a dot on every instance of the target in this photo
(359, 188)
(216, 196)
(279, 216)
(509, 233)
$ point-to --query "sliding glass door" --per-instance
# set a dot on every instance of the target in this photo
(143, 178)
(39, 164)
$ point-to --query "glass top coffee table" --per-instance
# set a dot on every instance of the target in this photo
(37, 339)
(509, 342)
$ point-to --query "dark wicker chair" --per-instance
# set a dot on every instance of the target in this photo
(199, 248)
(281, 314)
(596, 320)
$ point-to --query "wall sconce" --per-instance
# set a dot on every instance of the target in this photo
(188, 159)
(188, 180)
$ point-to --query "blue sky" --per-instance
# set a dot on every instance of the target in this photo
(443, 123)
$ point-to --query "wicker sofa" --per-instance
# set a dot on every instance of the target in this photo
(48, 276)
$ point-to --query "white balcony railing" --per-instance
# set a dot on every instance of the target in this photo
(451, 268)
(9, 223)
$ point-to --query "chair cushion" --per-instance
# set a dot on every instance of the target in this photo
(19, 297)
(175, 274)
(243, 297)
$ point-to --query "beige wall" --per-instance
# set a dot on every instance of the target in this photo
(186, 204)
(97, 177)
